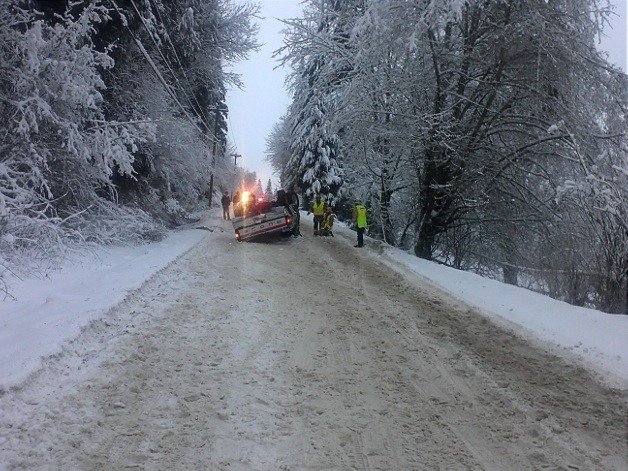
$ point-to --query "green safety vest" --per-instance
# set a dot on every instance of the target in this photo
(328, 222)
(361, 210)
(319, 208)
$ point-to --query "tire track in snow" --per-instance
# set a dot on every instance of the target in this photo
(305, 354)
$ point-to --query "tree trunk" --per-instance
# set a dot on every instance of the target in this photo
(510, 275)
(435, 201)
(426, 231)
(384, 207)
(424, 247)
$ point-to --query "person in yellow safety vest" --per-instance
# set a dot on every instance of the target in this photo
(318, 208)
(328, 222)
(359, 220)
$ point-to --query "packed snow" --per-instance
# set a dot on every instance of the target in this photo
(41, 315)
(200, 352)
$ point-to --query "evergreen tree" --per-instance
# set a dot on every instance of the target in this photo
(315, 149)
(315, 144)
(258, 188)
(278, 151)
(478, 127)
(110, 104)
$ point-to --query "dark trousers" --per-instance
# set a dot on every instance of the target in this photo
(360, 231)
(318, 221)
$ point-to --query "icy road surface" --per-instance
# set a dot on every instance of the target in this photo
(305, 354)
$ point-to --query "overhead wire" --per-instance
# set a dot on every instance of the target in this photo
(166, 85)
(233, 139)
(176, 56)
(168, 65)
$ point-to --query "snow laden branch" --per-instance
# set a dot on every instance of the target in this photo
(469, 127)
(115, 119)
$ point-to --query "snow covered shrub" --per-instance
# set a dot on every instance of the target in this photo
(58, 151)
(173, 208)
(176, 164)
(110, 223)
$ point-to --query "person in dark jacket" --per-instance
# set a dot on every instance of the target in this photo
(226, 202)
(237, 204)
(293, 201)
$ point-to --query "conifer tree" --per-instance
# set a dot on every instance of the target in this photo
(480, 127)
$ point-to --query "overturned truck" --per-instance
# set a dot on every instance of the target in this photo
(259, 217)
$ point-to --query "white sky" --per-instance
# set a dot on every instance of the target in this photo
(615, 40)
(254, 111)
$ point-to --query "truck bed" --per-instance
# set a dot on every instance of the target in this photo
(274, 219)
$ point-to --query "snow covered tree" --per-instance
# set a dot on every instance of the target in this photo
(258, 188)
(59, 150)
(278, 151)
(104, 105)
(315, 150)
(244, 180)
(375, 116)
(587, 264)
(471, 124)
(315, 145)
(184, 45)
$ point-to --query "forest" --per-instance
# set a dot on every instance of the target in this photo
(114, 120)
(489, 136)
(486, 135)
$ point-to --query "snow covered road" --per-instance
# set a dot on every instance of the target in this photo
(305, 354)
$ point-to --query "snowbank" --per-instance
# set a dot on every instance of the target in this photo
(47, 312)
(598, 339)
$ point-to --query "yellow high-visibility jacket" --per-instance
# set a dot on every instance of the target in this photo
(318, 208)
(359, 215)
(328, 222)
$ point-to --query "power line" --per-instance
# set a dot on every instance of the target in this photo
(168, 65)
(231, 132)
(159, 75)
(182, 68)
